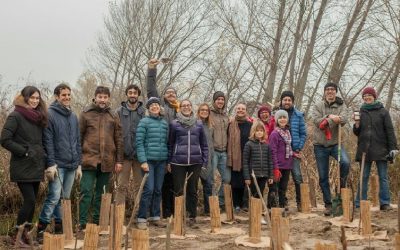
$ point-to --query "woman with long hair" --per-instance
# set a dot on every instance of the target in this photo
(22, 136)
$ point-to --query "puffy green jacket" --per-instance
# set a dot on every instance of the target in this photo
(151, 139)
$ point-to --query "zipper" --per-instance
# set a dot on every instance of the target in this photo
(188, 147)
(259, 144)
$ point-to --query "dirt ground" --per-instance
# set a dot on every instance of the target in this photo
(304, 233)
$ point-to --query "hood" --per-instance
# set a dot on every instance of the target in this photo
(56, 106)
(19, 101)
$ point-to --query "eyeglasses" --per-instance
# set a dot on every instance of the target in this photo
(186, 106)
(204, 110)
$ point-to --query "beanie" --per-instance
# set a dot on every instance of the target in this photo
(287, 93)
(279, 114)
(369, 90)
(263, 109)
(218, 94)
(169, 88)
(330, 84)
(151, 101)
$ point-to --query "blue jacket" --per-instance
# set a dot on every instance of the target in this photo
(151, 139)
(298, 130)
(61, 138)
(187, 145)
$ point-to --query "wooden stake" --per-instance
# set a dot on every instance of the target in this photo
(375, 190)
(268, 219)
(365, 218)
(343, 239)
(345, 194)
(397, 241)
(255, 220)
(284, 225)
(313, 197)
(67, 219)
(91, 237)
(115, 237)
(322, 246)
(105, 207)
(305, 198)
(140, 239)
(214, 213)
(228, 202)
(178, 215)
(53, 241)
(276, 233)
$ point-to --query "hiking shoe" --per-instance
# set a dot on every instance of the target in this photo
(192, 223)
(328, 210)
(385, 207)
(299, 207)
(58, 228)
(237, 210)
(158, 223)
(141, 225)
(41, 228)
(263, 221)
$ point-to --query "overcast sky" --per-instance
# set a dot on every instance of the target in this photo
(46, 40)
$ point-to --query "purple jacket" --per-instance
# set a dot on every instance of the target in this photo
(277, 146)
(187, 146)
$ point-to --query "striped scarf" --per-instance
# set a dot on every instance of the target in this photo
(287, 138)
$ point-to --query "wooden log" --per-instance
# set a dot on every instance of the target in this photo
(215, 214)
(115, 237)
(140, 239)
(228, 202)
(67, 219)
(284, 225)
(255, 220)
(365, 218)
(53, 241)
(91, 237)
(374, 190)
(397, 241)
(346, 204)
(323, 246)
(104, 220)
(178, 216)
(276, 233)
(313, 197)
(305, 198)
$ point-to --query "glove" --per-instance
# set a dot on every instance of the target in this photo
(277, 174)
(392, 155)
(324, 124)
(328, 134)
(203, 173)
(51, 173)
(78, 173)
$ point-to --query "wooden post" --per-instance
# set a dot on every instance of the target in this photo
(255, 220)
(67, 219)
(178, 216)
(228, 202)
(365, 218)
(345, 194)
(140, 239)
(276, 233)
(53, 241)
(105, 207)
(91, 237)
(305, 198)
(115, 237)
(375, 190)
(284, 224)
(397, 241)
(313, 197)
(322, 246)
(214, 214)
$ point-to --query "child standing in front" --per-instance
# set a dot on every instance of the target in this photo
(257, 158)
(282, 155)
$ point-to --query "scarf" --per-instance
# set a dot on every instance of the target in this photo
(285, 134)
(370, 106)
(175, 104)
(186, 121)
(234, 150)
(31, 115)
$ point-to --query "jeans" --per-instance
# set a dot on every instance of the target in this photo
(151, 196)
(123, 180)
(384, 194)
(322, 157)
(52, 204)
(219, 163)
(97, 180)
(179, 175)
(297, 178)
(29, 191)
(207, 183)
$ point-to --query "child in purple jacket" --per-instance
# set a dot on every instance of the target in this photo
(282, 155)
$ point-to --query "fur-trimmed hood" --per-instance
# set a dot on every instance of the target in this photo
(19, 101)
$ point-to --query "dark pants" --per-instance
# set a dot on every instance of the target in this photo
(179, 175)
(262, 181)
(277, 191)
(167, 194)
(207, 192)
(29, 191)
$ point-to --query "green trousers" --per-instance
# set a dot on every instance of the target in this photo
(92, 182)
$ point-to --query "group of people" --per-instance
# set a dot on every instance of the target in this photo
(171, 143)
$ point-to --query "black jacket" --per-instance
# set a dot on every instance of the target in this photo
(375, 134)
(24, 140)
(257, 157)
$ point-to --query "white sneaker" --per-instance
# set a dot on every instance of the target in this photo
(263, 222)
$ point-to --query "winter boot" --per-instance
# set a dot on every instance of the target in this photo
(41, 228)
(27, 235)
(58, 228)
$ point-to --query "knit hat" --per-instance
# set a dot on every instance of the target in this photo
(279, 114)
(287, 93)
(169, 88)
(151, 101)
(369, 90)
(330, 85)
(263, 109)
(218, 94)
